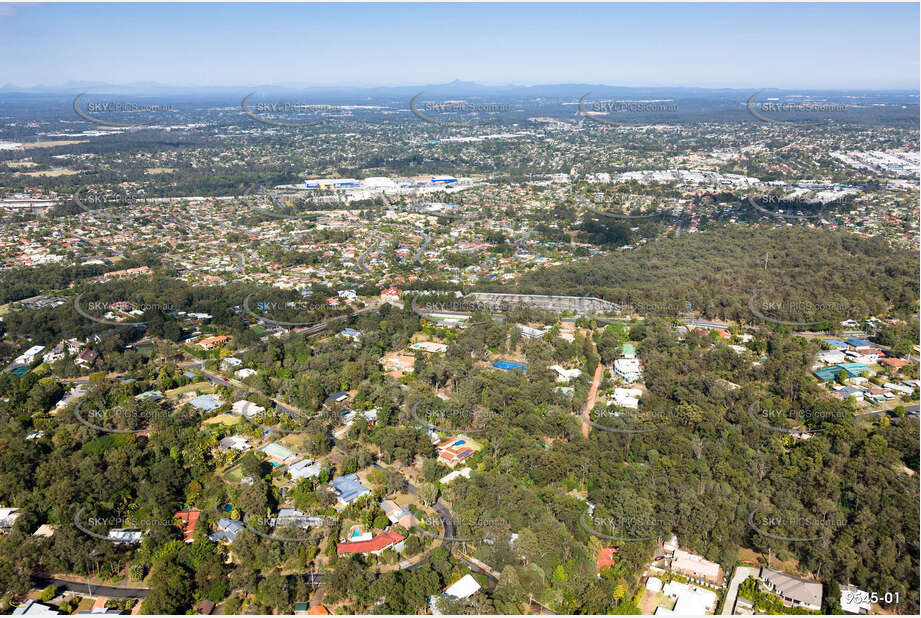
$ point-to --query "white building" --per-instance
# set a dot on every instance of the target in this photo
(628, 368)
(246, 408)
(465, 587)
(29, 356)
(627, 398)
(565, 375)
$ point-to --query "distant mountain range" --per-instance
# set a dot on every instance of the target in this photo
(454, 88)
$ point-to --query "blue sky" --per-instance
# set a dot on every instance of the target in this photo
(872, 46)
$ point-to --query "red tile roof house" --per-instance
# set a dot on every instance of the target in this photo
(451, 453)
(189, 521)
(374, 546)
(895, 363)
(606, 557)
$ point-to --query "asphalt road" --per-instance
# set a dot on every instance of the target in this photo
(422, 247)
(93, 589)
(361, 260)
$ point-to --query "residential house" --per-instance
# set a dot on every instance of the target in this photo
(45, 531)
(903, 389)
(533, 333)
(454, 450)
(391, 295)
(246, 372)
(627, 398)
(349, 488)
(628, 369)
(189, 519)
(351, 333)
(337, 397)
(55, 354)
(124, 536)
(692, 565)
(304, 469)
(230, 361)
(246, 408)
(846, 392)
(29, 356)
(565, 375)
(149, 395)
(87, 358)
(831, 357)
(398, 515)
(374, 546)
(429, 346)
(209, 343)
(236, 443)
(605, 558)
(448, 478)
(894, 363)
(793, 591)
(278, 453)
(227, 530)
(689, 600)
(867, 356)
(463, 588)
(206, 403)
(34, 608)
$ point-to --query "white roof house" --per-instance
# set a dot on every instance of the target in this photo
(122, 535)
(237, 443)
(627, 397)
(565, 375)
(628, 369)
(246, 408)
(304, 469)
(464, 587)
(691, 600)
(465, 472)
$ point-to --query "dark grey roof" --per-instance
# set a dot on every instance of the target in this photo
(800, 590)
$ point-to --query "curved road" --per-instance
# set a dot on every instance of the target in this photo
(425, 242)
(93, 589)
(361, 260)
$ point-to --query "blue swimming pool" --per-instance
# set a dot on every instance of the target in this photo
(507, 366)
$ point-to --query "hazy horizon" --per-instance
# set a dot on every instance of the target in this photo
(712, 46)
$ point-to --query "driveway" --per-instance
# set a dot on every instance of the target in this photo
(740, 575)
